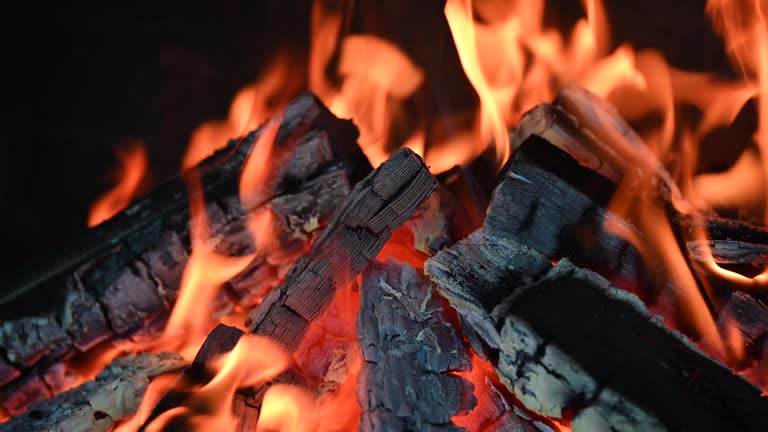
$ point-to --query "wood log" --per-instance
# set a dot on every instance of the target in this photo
(96, 405)
(361, 226)
(124, 274)
(565, 347)
(409, 352)
(563, 344)
(359, 229)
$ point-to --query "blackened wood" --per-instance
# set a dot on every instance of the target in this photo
(748, 315)
(565, 347)
(96, 405)
(221, 340)
(549, 201)
(476, 274)
(409, 351)
(125, 273)
(359, 229)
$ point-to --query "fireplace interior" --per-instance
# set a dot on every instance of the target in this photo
(341, 215)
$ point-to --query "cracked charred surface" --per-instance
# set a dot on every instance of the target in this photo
(122, 279)
(572, 342)
(409, 352)
(359, 229)
(96, 405)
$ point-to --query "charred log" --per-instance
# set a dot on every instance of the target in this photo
(123, 276)
(409, 351)
(359, 229)
(96, 405)
(558, 354)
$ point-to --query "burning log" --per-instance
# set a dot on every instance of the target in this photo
(558, 355)
(124, 275)
(409, 352)
(545, 328)
(96, 405)
(359, 229)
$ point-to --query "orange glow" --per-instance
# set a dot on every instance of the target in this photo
(133, 168)
(485, 381)
(253, 361)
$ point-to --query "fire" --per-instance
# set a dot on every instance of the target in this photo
(133, 168)
(254, 360)
(251, 105)
(459, 15)
(513, 62)
(286, 409)
(204, 273)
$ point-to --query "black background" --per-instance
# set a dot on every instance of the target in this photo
(78, 81)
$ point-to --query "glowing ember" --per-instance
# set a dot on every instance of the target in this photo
(133, 168)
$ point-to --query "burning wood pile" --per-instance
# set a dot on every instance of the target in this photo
(284, 283)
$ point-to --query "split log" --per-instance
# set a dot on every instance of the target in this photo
(123, 276)
(558, 355)
(564, 347)
(359, 229)
(96, 405)
(409, 351)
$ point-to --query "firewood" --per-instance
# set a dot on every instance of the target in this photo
(565, 345)
(96, 405)
(359, 229)
(361, 226)
(409, 351)
(123, 276)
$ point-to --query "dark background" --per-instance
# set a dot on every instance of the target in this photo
(78, 81)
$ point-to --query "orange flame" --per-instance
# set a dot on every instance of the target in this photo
(253, 361)
(459, 16)
(133, 167)
(205, 271)
(251, 106)
(286, 409)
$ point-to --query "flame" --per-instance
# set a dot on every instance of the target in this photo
(204, 273)
(459, 16)
(133, 168)
(377, 77)
(254, 360)
(745, 30)
(286, 409)
(251, 106)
